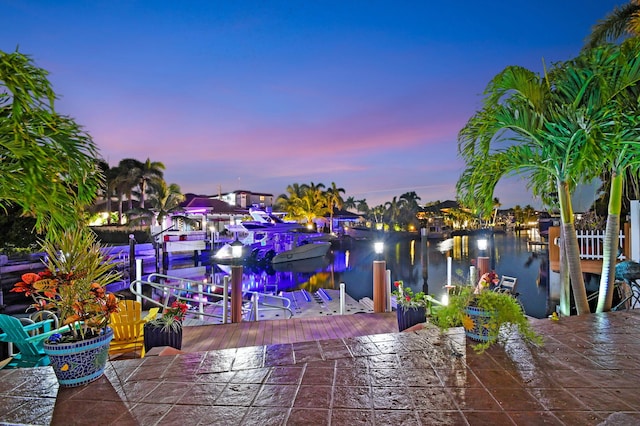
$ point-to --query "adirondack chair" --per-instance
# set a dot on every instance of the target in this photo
(128, 328)
(28, 339)
(507, 285)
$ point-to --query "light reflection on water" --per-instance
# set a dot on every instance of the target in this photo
(351, 262)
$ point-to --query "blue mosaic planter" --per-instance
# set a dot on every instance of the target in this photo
(79, 363)
(477, 329)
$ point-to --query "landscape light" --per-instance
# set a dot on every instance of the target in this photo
(482, 244)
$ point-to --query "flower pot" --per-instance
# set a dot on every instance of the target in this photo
(155, 337)
(79, 363)
(475, 323)
(408, 317)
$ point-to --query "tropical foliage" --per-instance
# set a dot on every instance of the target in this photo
(48, 165)
(506, 316)
(550, 126)
(73, 285)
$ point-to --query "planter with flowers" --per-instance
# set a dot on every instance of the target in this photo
(411, 308)
(166, 328)
(487, 316)
(73, 286)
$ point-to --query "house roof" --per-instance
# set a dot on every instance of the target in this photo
(213, 205)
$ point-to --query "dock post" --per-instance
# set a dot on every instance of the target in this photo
(236, 293)
(341, 298)
(225, 299)
(139, 280)
(483, 266)
(379, 287)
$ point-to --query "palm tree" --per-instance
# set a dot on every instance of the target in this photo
(350, 203)
(151, 171)
(128, 177)
(622, 21)
(334, 201)
(48, 165)
(362, 206)
(527, 106)
(164, 201)
(561, 124)
(393, 210)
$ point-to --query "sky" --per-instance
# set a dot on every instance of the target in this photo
(258, 95)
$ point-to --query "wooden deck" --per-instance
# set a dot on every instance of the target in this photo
(256, 333)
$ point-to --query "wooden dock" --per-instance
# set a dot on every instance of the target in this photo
(268, 332)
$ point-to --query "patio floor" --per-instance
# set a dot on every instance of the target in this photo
(587, 373)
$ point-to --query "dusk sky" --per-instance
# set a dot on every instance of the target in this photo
(257, 95)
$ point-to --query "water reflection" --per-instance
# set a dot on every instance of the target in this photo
(420, 264)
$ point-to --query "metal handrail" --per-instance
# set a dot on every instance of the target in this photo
(201, 299)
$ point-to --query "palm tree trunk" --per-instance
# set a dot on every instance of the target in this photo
(610, 245)
(572, 250)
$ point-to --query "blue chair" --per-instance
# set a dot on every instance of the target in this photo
(28, 339)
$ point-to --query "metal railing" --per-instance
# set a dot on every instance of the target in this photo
(212, 304)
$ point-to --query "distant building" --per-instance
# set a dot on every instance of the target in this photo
(245, 199)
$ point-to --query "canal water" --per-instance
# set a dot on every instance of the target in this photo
(421, 264)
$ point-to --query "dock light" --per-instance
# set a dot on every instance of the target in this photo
(482, 244)
(378, 247)
(236, 282)
(236, 249)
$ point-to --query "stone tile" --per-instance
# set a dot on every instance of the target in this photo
(306, 417)
(313, 397)
(318, 376)
(351, 417)
(265, 416)
(275, 396)
(440, 418)
(397, 417)
(391, 398)
(201, 394)
(353, 397)
(238, 394)
(291, 375)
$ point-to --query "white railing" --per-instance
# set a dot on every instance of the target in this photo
(591, 244)
(208, 304)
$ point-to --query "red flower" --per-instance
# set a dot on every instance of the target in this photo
(408, 298)
(396, 283)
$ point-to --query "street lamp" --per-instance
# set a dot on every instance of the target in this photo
(379, 279)
(236, 282)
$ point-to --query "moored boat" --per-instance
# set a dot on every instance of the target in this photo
(304, 251)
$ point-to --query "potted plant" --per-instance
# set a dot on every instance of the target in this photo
(166, 328)
(411, 308)
(73, 287)
(487, 316)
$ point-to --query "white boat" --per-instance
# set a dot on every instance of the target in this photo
(305, 251)
(359, 232)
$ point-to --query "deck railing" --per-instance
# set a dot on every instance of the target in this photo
(591, 244)
(211, 304)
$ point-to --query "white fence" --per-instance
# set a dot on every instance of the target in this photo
(591, 244)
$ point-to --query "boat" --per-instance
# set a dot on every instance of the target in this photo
(436, 229)
(301, 252)
(359, 232)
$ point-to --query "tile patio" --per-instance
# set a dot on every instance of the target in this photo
(587, 373)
